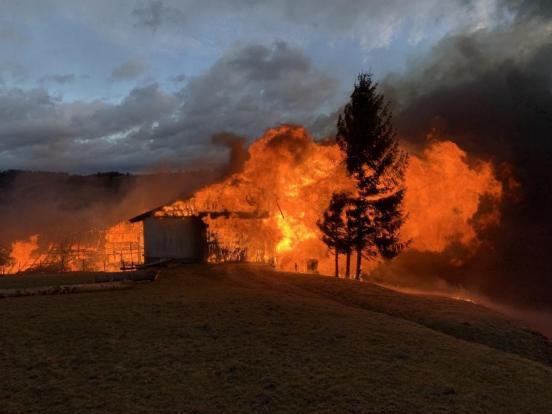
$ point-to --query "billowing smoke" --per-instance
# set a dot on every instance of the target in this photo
(60, 206)
(237, 147)
(490, 91)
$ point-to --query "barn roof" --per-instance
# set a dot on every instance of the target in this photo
(201, 214)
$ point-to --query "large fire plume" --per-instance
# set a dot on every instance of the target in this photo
(273, 205)
(289, 180)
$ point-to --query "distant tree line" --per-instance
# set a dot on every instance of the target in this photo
(367, 222)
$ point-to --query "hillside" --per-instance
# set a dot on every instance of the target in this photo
(240, 338)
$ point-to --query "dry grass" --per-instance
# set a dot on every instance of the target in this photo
(242, 338)
(47, 279)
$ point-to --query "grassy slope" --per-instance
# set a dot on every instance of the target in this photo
(241, 338)
(47, 279)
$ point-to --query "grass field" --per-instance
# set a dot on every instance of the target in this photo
(243, 338)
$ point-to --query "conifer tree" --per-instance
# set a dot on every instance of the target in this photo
(373, 158)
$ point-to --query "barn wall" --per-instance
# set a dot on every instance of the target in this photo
(183, 239)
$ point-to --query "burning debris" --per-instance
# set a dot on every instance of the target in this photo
(182, 232)
(118, 247)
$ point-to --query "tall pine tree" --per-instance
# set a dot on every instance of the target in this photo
(373, 158)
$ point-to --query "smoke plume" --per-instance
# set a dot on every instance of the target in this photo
(490, 92)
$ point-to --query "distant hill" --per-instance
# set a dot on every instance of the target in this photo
(244, 338)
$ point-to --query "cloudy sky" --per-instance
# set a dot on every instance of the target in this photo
(130, 84)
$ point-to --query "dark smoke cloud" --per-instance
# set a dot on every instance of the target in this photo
(528, 9)
(237, 146)
(491, 92)
(64, 208)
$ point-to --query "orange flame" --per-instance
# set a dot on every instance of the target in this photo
(443, 195)
(117, 247)
(23, 252)
(291, 178)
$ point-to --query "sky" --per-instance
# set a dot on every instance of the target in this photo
(133, 85)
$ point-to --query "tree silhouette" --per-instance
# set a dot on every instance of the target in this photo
(373, 158)
(333, 228)
(351, 231)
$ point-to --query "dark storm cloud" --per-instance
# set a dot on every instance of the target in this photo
(247, 90)
(29, 118)
(59, 79)
(277, 84)
(528, 9)
(130, 69)
(491, 92)
(43, 132)
(142, 106)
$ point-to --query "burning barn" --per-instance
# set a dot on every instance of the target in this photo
(177, 238)
(178, 232)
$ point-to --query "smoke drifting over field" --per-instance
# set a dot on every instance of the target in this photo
(59, 206)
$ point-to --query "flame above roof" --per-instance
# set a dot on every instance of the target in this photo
(162, 212)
